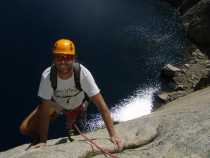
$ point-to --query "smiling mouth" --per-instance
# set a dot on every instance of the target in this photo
(64, 65)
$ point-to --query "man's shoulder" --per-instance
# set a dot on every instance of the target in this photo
(84, 69)
(82, 66)
(46, 72)
(85, 73)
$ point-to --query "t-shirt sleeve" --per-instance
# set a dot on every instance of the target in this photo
(45, 89)
(88, 83)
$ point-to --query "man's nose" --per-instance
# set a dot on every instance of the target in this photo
(63, 61)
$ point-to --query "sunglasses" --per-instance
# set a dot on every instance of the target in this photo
(63, 57)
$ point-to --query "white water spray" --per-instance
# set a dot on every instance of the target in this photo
(134, 106)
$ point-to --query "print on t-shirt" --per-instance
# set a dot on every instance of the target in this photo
(66, 94)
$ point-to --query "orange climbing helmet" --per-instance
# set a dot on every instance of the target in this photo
(64, 46)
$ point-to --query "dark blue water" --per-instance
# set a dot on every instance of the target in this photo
(123, 43)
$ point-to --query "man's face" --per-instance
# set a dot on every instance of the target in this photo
(63, 62)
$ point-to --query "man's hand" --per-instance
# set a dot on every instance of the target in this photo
(117, 141)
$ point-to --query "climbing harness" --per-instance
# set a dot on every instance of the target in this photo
(73, 116)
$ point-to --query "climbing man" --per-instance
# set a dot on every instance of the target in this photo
(64, 87)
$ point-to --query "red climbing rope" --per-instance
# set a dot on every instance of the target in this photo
(93, 143)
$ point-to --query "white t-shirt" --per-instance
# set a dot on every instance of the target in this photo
(66, 94)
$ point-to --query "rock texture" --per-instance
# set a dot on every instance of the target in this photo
(189, 77)
(194, 74)
(197, 24)
(180, 129)
(195, 15)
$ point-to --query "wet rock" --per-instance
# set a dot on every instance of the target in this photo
(180, 87)
(186, 5)
(178, 82)
(195, 15)
(203, 82)
(187, 65)
(170, 70)
(163, 97)
(197, 23)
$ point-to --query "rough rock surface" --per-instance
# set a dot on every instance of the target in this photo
(139, 133)
(180, 129)
(189, 77)
(197, 24)
(195, 15)
(194, 74)
(170, 70)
